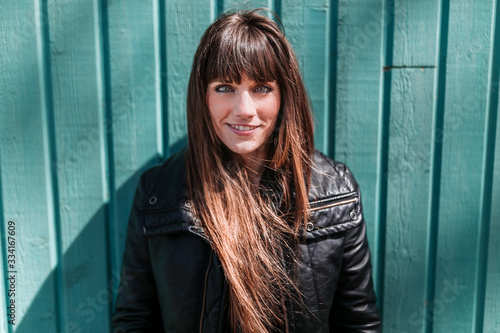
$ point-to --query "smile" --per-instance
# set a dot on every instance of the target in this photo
(243, 128)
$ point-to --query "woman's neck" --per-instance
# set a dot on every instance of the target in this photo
(254, 168)
(254, 163)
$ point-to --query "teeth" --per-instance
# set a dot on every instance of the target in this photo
(243, 128)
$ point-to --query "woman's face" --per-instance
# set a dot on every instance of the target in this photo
(244, 115)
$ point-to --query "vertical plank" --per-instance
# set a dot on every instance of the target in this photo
(4, 325)
(492, 300)
(4, 300)
(407, 199)
(136, 108)
(412, 94)
(462, 154)
(307, 29)
(491, 322)
(25, 170)
(78, 99)
(357, 108)
(234, 5)
(182, 38)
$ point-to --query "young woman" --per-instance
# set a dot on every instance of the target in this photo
(249, 228)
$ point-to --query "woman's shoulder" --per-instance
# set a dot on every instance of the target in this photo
(329, 177)
(167, 181)
(174, 165)
(334, 198)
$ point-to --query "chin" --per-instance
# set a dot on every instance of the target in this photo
(242, 151)
(245, 149)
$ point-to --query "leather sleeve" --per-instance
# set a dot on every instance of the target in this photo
(354, 308)
(137, 308)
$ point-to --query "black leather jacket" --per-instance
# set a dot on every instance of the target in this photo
(172, 280)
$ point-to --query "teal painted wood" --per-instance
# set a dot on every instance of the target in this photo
(355, 114)
(134, 120)
(26, 186)
(491, 321)
(233, 5)
(491, 182)
(412, 38)
(306, 26)
(453, 308)
(182, 37)
(97, 95)
(78, 108)
(408, 181)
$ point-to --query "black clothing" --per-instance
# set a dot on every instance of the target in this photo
(172, 280)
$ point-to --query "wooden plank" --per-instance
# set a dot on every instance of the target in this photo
(355, 114)
(412, 105)
(307, 28)
(415, 38)
(185, 24)
(78, 100)
(135, 120)
(467, 64)
(25, 170)
(4, 299)
(491, 321)
(492, 301)
(410, 146)
(234, 5)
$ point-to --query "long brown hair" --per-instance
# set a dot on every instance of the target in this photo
(249, 231)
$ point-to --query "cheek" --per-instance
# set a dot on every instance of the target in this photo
(215, 108)
(272, 112)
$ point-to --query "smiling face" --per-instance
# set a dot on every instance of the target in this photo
(244, 115)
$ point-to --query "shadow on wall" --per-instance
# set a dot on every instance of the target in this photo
(90, 310)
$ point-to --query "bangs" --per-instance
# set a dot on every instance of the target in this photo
(241, 50)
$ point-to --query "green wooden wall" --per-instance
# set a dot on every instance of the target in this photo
(406, 92)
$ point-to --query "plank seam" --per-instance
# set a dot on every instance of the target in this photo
(436, 157)
(3, 243)
(112, 259)
(383, 148)
(54, 166)
(277, 7)
(488, 167)
(220, 7)
(332, 70)
(162, 12)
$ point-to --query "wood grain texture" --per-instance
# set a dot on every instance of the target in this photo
(96, 95)
(306, 27)
(412, 106)
(408, 181)
(467, 65)
(491, 321)
(78, 100)
(182, 38)
(234, 5)
(25, 168)
(415, 33)
(357, 105)
(135, 118)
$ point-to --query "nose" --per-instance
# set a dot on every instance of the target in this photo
(245, 105)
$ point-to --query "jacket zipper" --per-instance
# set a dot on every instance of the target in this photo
(336, 201)
(205, 291)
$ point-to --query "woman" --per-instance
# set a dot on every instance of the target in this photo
(248, 229)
